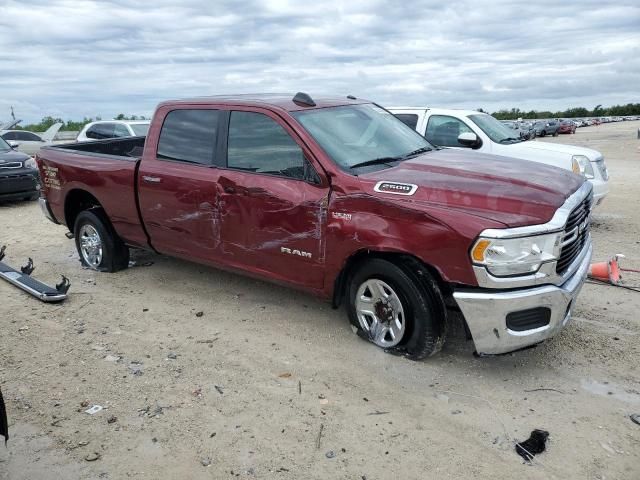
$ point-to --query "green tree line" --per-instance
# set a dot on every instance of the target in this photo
(575, 112)
(70, 125)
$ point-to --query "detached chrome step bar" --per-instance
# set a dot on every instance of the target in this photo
(23, 280)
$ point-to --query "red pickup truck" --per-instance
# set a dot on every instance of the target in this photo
(337, 197)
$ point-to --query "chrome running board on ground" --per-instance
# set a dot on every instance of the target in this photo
(23, 281)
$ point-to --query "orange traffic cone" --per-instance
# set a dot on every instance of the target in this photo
(608, 272)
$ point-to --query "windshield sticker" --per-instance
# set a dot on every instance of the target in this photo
(396, 188)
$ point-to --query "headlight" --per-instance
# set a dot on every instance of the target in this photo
(582, 165)
(30, 163)
(516, 256)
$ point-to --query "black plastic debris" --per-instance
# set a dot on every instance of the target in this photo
(4, 423)
(533, 445)
(635, 418)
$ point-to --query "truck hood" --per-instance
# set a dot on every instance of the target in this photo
(534, 150)
(506, 190)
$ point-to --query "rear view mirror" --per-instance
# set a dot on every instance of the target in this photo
(469, 139)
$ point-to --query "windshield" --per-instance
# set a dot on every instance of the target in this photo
(355, 134)
(140, 129)
(495, 130)
(4, 146)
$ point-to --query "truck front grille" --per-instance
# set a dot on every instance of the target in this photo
(576, 232)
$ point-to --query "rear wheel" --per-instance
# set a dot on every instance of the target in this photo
(398, 308)
(99, 246)
(555, 134)
(543, 133)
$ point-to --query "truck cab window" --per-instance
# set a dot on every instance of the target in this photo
(409, 119)
(121, 131)
(100, 131)
(258, 144)
(189, 136)
(443, 130)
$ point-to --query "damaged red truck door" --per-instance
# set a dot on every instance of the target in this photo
(337, 197)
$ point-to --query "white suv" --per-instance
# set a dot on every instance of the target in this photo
(105, 129)
(482, 132)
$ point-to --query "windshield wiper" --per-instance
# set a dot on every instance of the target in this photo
(512, 139)
(376, 161)
(417, 152)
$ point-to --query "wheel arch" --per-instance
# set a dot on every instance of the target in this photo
(76, 201)
(402, 259)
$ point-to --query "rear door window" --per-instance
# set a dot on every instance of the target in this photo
(409, 119)
(27, 137)
(189, 136)
(259, 144)
(443, 130)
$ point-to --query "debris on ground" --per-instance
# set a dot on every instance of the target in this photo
(285, 375)
(330, 454)
(205, 462)
(136, 368)
(199, 314)
(219, 389)
(94, 409)
(319, 439)
(92, 457)
(535, 444)
(635, 418)
(112, 419)
(172, 356)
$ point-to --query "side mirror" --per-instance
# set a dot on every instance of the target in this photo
(469, 139)
(13, 144)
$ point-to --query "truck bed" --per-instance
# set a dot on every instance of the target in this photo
(129, 148)
(106, 170)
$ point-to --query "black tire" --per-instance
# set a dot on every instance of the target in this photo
(421, 299)
(115, 254)
(555, 134)
(543, 133)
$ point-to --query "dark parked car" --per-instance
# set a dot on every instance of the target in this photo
(18, 175)
(546, 127)
(567, 126)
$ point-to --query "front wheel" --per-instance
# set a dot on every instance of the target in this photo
(99, 246)
(398, 308)
(555, 134)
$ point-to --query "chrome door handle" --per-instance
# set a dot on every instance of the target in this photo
(149, 179)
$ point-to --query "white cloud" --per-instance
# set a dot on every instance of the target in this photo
(80, 58)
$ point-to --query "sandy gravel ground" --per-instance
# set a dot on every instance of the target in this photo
(271, 383)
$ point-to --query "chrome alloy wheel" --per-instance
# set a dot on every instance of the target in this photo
(380, 313)
(91, 246)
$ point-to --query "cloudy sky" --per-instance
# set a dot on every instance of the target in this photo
(73, 58)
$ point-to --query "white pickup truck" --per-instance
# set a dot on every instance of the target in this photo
(482, 132)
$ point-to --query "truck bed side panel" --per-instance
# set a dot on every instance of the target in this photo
(111, 180)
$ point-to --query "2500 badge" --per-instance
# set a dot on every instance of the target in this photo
(396, 188)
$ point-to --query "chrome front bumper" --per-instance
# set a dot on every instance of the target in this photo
(486, 311)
